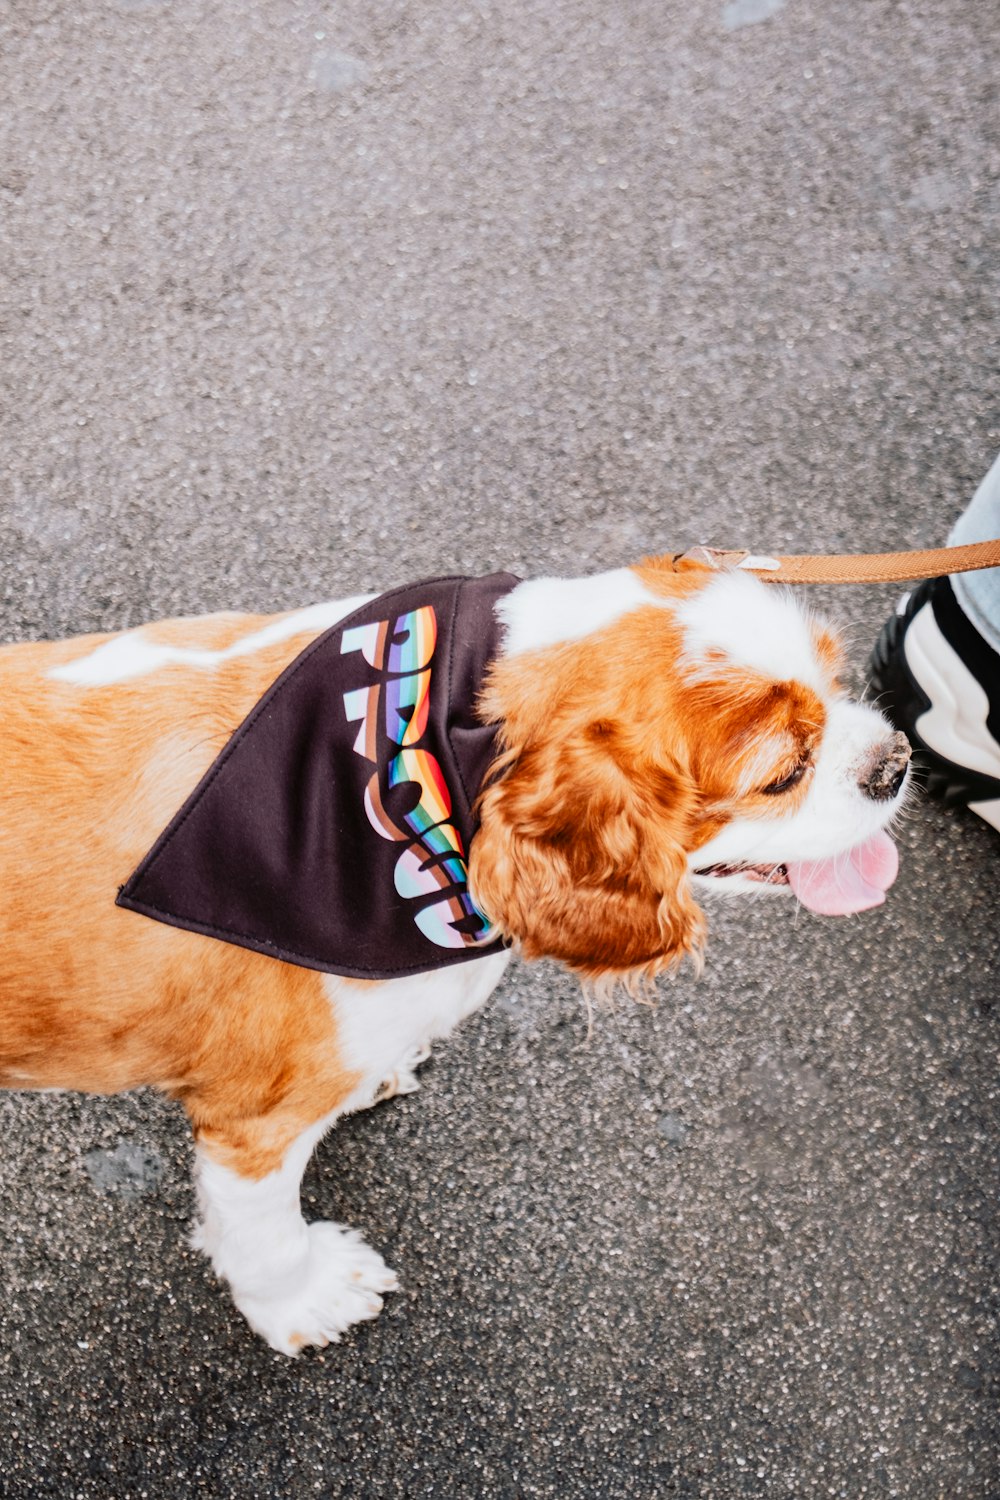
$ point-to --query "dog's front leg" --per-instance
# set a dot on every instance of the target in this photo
(295, 1283)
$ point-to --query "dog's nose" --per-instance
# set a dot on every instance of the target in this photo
(883, 776)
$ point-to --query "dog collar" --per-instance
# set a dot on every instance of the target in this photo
(333, 830)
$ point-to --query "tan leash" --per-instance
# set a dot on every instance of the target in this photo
(861, 567)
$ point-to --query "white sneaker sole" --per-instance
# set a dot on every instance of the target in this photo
(955, 724)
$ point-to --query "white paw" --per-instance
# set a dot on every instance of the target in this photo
(340, 1284)
(404, 1079)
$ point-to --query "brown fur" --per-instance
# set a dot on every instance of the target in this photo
(94, 997)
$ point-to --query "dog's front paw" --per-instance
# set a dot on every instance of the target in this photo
(341, 1283)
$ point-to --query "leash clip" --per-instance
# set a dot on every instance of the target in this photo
(719, 559)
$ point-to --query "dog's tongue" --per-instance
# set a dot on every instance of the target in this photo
(849, 882)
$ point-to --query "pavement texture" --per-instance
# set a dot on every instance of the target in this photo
(297, 299)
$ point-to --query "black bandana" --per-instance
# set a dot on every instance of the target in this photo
(333, 830)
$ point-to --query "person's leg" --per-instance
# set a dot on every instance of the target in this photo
(979, 593)
(936, 669)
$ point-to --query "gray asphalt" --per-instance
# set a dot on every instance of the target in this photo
(297, 299)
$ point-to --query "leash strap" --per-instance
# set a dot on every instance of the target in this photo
(862, 567)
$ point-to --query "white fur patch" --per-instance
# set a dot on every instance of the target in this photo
(380, 1026)
(135, 653)
(755, 625)
(548, 611)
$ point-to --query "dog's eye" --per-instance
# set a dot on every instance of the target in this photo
(787, 782)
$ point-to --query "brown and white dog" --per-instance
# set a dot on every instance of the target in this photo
(659, 734)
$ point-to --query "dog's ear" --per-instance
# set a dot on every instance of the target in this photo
(581, 856)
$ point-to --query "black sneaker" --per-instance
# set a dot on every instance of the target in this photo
(939, 681)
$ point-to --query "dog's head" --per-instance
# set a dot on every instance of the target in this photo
(697, 738)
